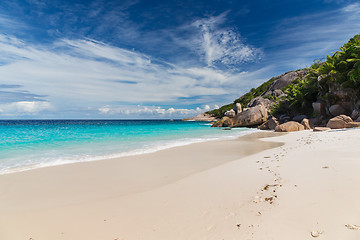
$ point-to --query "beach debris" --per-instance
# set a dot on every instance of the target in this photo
(352, 226)
(316, 233)
(269, 199)
(325, 167)
(268, 186)
(259, 213)
(238, 225)
(267, 157)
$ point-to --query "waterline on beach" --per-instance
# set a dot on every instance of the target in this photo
(26, 145)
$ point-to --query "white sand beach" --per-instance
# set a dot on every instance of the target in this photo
(238, 189)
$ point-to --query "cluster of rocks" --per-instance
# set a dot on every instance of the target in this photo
(258, 116)
(248, 117)
(202, 117)
(257, 110)
(344, 114)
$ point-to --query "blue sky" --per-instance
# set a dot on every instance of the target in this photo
(156, 59)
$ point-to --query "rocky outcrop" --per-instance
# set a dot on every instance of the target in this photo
(259, 100)
(224, 122)
(283, 81)
(339, 122)
(264, 126)
(230, 113)
(272, 123)
(202, 117)
(290, 126)
(305, 122)
(237, 108)
(251, 117)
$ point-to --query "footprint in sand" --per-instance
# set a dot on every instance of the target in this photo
(352, 226)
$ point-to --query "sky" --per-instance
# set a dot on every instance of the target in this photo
(138, 59)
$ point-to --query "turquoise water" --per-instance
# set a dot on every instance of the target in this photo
(39, 143)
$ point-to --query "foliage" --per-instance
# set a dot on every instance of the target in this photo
(220, 111)
(342, 70)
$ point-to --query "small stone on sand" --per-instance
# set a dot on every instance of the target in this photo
(316, 233)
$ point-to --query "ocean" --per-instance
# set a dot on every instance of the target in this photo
(30, 144)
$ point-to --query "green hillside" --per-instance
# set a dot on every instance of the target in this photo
(336, 79)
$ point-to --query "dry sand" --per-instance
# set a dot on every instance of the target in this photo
(239, 189)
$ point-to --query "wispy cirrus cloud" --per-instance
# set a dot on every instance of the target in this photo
(217, 44)
(223, 45)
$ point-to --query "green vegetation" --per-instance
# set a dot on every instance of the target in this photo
(219, 113)
(340, 71)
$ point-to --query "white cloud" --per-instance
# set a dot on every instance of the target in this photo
(352, 8)
(24, 108)
(151, 111)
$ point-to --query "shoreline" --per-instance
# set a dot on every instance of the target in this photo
(160, 146)
(305, 187)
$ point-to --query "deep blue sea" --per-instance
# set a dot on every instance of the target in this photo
(29, 144)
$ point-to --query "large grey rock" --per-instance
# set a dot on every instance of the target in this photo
(264, 126)
(355, 114)
(278, 93)
(290, 126)
(238, 108)
(339, 122)
(284, 80)
(230, 113)
(336, 110)
(224, 122)
(284, 118)
(319, 108)
(272, 123)
(357, 120)
(259, 100)
(299, 118)
(251, 117)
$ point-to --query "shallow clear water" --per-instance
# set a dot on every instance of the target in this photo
(27, 144)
